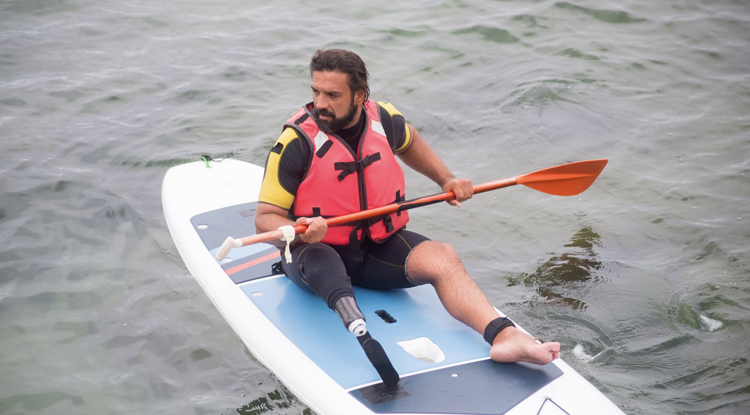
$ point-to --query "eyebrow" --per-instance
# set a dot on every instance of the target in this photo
(332, 93)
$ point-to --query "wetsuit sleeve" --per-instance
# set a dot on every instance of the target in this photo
(285, 168)
(395, 127)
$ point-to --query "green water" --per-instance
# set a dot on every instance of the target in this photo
(643, 278)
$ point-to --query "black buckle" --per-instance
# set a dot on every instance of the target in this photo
(354, 166)
(276, 268)
(388, 223)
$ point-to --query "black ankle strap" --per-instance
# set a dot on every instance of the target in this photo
(495, 327)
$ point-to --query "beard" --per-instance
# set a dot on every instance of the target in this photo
(335, 123)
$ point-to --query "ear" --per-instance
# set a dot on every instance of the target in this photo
(359, 97)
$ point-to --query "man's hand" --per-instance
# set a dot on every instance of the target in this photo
(316, 229)
(462, 188)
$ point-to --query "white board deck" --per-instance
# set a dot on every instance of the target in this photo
(295, 335)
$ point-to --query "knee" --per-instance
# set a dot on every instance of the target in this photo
(432, 261)
(448, 252)
(442, 253)
(319, 260)
(309, 263)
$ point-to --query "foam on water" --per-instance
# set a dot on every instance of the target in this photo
(580, 353)
(711, 324)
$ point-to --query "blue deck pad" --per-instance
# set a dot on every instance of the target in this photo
(236, 221)
(482, 387)
(316, 330)
(237, 255)
(466, 382)
(263, 252)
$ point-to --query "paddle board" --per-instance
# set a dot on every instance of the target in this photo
(443, 364)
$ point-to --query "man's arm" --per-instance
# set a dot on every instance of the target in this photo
(423, 159)
(285, 167)
(269, 218)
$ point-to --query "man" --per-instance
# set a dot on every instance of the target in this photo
(336, 156)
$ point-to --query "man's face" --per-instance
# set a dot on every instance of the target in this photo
(335, 107)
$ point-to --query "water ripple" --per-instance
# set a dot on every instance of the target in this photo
(643, 278)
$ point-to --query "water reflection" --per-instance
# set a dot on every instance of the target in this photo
(275, 400)
(561, 276)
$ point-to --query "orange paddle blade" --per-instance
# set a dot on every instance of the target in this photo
(566, 180)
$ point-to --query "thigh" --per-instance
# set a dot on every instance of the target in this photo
(318, 267)
(384, 264)
(293, 270)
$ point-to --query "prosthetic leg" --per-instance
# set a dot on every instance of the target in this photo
(354, 321)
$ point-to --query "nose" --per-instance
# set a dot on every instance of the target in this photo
(320, 102)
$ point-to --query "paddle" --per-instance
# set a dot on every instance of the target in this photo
(564, 180)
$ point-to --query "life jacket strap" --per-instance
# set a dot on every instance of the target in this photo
(387, 220)
(301, 119)
(399, 198)
(388, 223)
(348, 168)
(355, 252)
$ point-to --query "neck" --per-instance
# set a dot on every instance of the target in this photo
(356, 118)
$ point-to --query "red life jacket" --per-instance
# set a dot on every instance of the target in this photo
(338, 182)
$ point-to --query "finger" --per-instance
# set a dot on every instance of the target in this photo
(450, 185)
(311, 237)
(454, 202)
(458, 193)
(467, 189)
(319, 223)
(469, 192)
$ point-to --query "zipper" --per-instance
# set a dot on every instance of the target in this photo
(361, 186)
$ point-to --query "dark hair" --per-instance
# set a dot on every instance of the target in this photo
(344, 61)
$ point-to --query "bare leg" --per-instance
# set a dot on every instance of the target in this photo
(438, 264)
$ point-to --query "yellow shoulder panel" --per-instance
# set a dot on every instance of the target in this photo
(394, 112)
(407, 140)
(271, 190)
(390, 108)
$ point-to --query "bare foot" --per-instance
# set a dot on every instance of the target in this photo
(513, 345)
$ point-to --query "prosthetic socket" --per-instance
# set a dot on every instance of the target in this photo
(351, 316)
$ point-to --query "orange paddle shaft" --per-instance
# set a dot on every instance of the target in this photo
(564, 180)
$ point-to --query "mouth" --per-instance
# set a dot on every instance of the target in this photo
(325, 115)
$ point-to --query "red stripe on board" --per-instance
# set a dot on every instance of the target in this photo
(272, 255)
